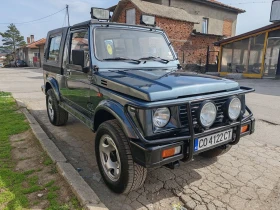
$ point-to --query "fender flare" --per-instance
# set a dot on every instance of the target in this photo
(52, 81)
(117, 110)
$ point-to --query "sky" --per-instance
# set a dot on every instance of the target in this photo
(18, 11)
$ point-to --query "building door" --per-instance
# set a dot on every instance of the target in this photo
(271, 56)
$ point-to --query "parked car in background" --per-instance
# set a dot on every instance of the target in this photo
(20, 63)
(12, 64)
(1, 65)
(7, 65)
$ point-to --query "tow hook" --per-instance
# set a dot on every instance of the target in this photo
(173, 165)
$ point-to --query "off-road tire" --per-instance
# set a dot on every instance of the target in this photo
(60, 115)
(132, 175)
(215, 152)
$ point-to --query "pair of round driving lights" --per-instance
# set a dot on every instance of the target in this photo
(208, 111)
(206, 115)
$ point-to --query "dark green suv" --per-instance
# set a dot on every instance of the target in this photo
(125, 83)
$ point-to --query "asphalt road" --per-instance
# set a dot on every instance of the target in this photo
(245, 178)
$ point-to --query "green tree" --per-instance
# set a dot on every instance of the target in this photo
(12, 39)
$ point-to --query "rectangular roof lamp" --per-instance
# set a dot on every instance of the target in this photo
(148, 20)
(275, 11)
(99, 13)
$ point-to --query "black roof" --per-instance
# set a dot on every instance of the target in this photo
(87, 23)
(82, 24)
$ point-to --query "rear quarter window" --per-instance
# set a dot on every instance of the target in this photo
(54, 48)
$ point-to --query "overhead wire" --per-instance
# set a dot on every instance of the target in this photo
(19, 23)
(64, 20)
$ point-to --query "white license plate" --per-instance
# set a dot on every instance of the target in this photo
(211, 140)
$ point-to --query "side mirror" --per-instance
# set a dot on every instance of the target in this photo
(78, 58)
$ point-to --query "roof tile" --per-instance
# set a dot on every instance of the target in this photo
(36, 43)
(160, 11)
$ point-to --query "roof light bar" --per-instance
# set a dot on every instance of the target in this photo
(275, 11)
(99, 13)
(148, 20)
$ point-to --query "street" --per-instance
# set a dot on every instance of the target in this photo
(247, 177)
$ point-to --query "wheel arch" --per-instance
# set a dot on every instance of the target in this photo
(108, 110)
(51, 83)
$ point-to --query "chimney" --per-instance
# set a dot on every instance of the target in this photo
(32, 38)
(28, 40)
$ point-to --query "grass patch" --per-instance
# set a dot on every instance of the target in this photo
(49, 184)
(14, 185)
(29, 172)
(11, 123)
(53, 170)
(47, 161)
(54, 188)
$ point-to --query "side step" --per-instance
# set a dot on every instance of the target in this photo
(84, 119)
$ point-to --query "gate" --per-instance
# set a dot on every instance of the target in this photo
(212, 58)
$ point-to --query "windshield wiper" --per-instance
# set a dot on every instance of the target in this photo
(155, 59)
(122, 59)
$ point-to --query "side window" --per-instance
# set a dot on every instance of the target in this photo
(79, 41)
(54, 48)
(130, 16)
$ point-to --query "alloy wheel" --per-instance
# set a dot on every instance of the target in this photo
(110, 158)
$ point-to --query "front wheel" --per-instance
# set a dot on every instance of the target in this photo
(56, 114)
(113, 154)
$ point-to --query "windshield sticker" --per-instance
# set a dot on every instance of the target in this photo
(109, 49)
(109, 46)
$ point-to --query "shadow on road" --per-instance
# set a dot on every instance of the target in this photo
(262, 86)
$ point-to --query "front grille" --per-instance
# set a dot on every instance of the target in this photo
(194, 108)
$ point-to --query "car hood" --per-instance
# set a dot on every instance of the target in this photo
(155, 85)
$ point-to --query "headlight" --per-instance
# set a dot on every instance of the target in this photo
(207, 114)
(161, 117)
(234, 108)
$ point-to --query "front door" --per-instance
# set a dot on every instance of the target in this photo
(78, 82)
(271, 56)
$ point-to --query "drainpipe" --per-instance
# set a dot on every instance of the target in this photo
(207, 59)
(39, 55)
(277, 76)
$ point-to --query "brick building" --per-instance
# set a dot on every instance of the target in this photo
(179, 24)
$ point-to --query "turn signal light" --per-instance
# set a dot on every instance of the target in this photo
(244, 128)
(171, 152)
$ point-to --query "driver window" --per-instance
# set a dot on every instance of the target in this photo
(80, 42)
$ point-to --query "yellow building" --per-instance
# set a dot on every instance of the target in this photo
(255, 54)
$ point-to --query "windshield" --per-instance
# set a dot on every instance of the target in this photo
(129, 44)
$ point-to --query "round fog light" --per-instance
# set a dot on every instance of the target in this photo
(207, 114)
(234, 108)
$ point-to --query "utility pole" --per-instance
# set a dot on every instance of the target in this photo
(67, 11)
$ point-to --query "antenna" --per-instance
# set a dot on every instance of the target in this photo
(67, 12)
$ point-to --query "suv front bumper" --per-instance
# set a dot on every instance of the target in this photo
(151, 156)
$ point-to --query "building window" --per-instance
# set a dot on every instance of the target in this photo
(130, 16)
(54, 48)
(205, 23)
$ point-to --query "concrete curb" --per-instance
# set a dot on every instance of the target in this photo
(87, 197)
